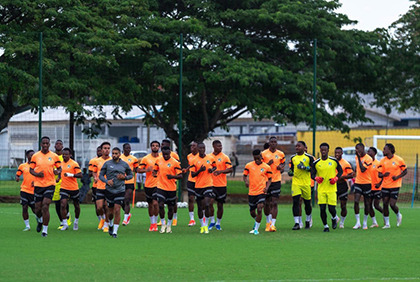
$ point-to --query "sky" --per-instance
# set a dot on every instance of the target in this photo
(372, 14)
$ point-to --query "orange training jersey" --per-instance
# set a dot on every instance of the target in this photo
(346, 166)
(92, 167)
(278, 158)
(69, 183)
(99, 164)
(374, 175)
(165, 167)
(394, 166)
(363, 177)
(148, 162)
(222, 163)
(28, 179)
(204, 179)
(258, 176)
(133, 164)
(190, 159)
(173, 155)
(46, 163)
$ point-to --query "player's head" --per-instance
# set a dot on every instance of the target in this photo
(256, 154)
(389, 149)
(193, 147)
(217, 146)
(360, 149)
(29, 154)
(272, 142)
(372, 151)
(58, 146)
(106, 148)
(300, 147)
(201, 148)
(166, 152)
(45, 143)
(166, 143)
(324, 148)
(99, 151)
(154, 146)
(338, 153)
(116, 153)
(67, 154)
(126, 149)
(266, 145)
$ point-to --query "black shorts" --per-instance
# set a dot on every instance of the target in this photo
(93, 194)
(113, 199)
(390, 192)
(342, 191)
(69, 194)
(363, 189)
(376, 194)
(220, 194)
(27, 199)
(150, 194)
(201, 193)
(100, 194)
(43, 192)
(191, 188)
(274, 189)
(129, 186)
(253, 201)
(167, 197)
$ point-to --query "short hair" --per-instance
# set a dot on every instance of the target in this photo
(266, 146)
(166, 148)
(256, 152)
(105, 143)
(302, 142)
(28, 152)
(200, 143)
(360, 144)
(45, 137)
(391, 147)
(272, 137)
(125, 144)
(59, 140)
(99, 147)
(324, 145)
(192, 142)
(116, 149)
(216, 142)
(154, 142)
(166, 141)
(374, 150)
(69, 150)
(338, 148)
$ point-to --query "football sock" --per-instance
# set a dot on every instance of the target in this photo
(212, 219)
(169, 222)
(115, 231)
(191, 215)
(374, 220)
(268, 218)
(308, 217)
(76, 220)
(111, 222)
(99, 217)
(273, 222)
(175, 215)
(45, 229)
(126, 216)
(296, 219)
(343, 218)
(64, 222)
(218, 221)
(27, 223)
(257, 225)
(365, 218)
(357, 218)
(386, 218)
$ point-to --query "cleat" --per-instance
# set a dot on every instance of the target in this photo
(69, 220)
(159, 223)
(201, 229)
(296, 226)
(212, 225)
(267, 226)
(399, 219)
(59, 227)
(155, 228)
(374, 225)
(168, 229)
(191, 223)
(218, 227)
(300, 225)
(206, 229)
(307, 224)
(256, 232)
(151, 228)
(64, 228)
(114, 236)
(341, 225)
(357, 226)
(101, 224)
(44, 234)
(162, 229)
(252, 231)
(273, 228)
(128, 219)
(334, 223)
(386, 226)
(365, 227)
(27, 229)
(106, 229)
(111, 230)
(125, 223)
(326, 229)
(175, 222)
(76, 226)
(39, 227)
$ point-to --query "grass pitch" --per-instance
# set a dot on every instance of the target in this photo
(231, 254)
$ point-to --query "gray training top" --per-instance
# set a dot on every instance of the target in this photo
(111, 169)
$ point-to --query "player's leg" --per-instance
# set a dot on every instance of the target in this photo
(206, 203)
(357, 195)
(57, 205)
(367, 200)
(332, 203)
(343, 205)
(100, 210)
(306, 194)
(212, 221)
(275, 195)
(377, 203)
(191, 199)
(260, 208)
(162, 213)
(128, 196)
(45, 215)
(323, 212)
(63, 201)
(171, 210)
(267, 211)
(393, 204)
(386, 198)
(26, 200)
(175, 216)
(295, 209)
(108, 210)
(38, 191)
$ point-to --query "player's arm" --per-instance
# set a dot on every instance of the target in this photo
(361, 166)
(196, 173)
(291, 171)
(267, 185)
(282, 164)
(213, 167)
(245, 177)
(18, 174)
(402, 174)
(128, 172)
(75, 175)
(143, 168)
(155, 170)
(227, 170)
(102, 173)
(176, 175)
(36, 174)
(339, 170)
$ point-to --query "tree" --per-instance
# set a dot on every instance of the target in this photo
(248, 55)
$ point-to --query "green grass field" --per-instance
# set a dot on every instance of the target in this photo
(231, 254)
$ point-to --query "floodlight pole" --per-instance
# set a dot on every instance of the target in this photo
(40, 93)
(180, 112)
(314, 112)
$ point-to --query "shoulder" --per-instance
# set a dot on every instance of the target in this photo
(280, 153)
(317, 161)
(309, 156)
(334, 159)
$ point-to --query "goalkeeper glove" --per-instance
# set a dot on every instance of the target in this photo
(333, 180)
(319, 179)
(290, 172)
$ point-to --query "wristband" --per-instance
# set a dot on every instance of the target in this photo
(70, 175)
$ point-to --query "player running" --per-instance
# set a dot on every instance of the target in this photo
(375, 194)
(326, 171)
(363, 184)
(191, 182)
(92, 167)
(203, 167)
(167, 170)
(44, 166)
(223, 167)
(257, 178)
(391, 169)
(70, 170)
(26, 189)
(300, 169)
(114, 173)
(150, 185)
(276, 160)
(129, 184)
(342, 186)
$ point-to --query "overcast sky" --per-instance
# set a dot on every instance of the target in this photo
(374, 13)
